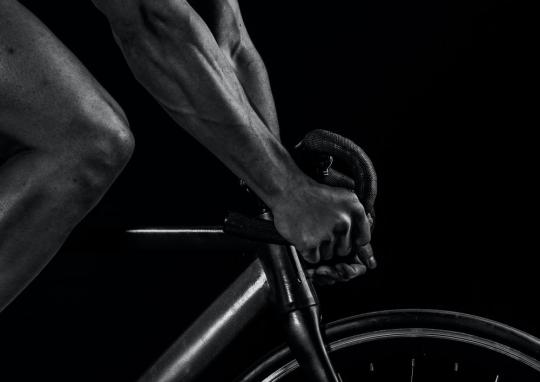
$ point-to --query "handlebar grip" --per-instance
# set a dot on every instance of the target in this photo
(264, 231)
(361, 178)
(261, 230)
(337, 179)
(351, 156)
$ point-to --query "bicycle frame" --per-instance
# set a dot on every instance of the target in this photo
(275, 279)
(214, 329)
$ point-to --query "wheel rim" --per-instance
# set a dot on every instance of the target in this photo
(415, 333)
(492, 340)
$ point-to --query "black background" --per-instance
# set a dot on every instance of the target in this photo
(437, 93)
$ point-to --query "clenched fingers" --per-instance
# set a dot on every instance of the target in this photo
(327, 275)
(365, 253)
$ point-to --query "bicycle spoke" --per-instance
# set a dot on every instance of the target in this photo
(412, 369)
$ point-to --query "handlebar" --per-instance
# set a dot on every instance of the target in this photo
(316, 154)
(292, 293)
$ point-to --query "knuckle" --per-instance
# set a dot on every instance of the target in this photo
(361, 215)
(344, 219)
(312, 245)
(364, 229)
(304, 244)
(342, 223)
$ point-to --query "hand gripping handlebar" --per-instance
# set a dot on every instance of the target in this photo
(316, 153)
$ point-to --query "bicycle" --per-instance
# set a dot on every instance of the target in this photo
(417, 344)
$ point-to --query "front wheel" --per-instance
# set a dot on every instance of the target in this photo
(416, 346)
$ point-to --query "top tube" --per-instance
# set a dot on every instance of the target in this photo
(192, 238)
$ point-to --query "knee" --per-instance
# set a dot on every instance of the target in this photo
(96, 147)
(110, 141)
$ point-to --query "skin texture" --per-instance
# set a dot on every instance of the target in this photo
(228, 28)
(63, 140)
(208, 76)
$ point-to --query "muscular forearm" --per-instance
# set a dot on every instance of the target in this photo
(234, 40)
(251, 72)
(174, 55)
(219, 92)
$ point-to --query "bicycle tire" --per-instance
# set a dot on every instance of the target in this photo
(500, 346)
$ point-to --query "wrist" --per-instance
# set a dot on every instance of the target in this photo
(289, 188)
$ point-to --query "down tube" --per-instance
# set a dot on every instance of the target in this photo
(194, 350)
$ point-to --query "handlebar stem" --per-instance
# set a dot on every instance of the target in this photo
(296, 302)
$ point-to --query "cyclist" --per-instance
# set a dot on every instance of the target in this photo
(65, 139)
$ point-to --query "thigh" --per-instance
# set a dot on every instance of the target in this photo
(43, 86)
